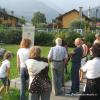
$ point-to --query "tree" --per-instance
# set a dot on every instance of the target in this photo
(38, 18)
(94, 19)
(12, 12)
(78, 24)
(22, 20)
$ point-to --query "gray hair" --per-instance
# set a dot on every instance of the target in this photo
(58, 41)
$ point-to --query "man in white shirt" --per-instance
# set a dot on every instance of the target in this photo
(57, 56)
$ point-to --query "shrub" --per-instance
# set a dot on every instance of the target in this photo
(68, 37)
(43, 38)
(10, 36)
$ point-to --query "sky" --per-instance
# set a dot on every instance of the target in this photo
(71, 4)
(60, 6)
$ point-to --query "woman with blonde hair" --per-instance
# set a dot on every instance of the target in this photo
(39, 83)
(5, 71)
(22, 56)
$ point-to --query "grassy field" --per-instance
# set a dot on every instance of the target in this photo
(14, 94)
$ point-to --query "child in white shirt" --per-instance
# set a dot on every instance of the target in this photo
(5, 71)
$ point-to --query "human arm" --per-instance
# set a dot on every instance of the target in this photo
(18, 63)
(50, 55)
(7, 72)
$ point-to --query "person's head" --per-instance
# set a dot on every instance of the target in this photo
(83, 40)
(97, 36)
(34, 52)
(7, 55)
(25, 43)
(58, 41)
(96, 50)
(78, 42)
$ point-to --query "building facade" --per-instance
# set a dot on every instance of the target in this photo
(8, 20)
(64, 21)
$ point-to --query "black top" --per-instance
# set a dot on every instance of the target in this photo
(41, 82)
(77, 56)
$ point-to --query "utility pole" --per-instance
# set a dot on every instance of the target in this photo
(96, 18)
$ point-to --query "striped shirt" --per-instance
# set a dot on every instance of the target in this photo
(57, 53)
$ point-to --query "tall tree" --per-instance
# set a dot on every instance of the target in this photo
(22, 20)
(38, 18)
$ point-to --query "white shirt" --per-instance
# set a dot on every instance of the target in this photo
(34, 67)
(92, 68)
(57, 53)
(23, 54)
(3, 68)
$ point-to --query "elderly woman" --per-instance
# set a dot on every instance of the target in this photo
(92, 69)
(39, 83)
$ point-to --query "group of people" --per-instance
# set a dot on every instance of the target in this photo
(34, 69)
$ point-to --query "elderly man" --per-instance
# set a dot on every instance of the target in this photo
(76, 57)
(57, 56)
(97, 36)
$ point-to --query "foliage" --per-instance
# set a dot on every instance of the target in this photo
(78, 24)
(42, 25)
(22, 20)
(10, 36)
(45, 39)
(94, 19)
(68, 37)
(38, 18)
(90, 37)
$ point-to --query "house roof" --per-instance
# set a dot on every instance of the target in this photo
(74, 10)
(9, 15)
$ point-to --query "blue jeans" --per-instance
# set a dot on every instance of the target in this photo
(36, 96)
(23, 83)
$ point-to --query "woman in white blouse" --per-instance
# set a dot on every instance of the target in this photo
(92, 69)
(22, 56)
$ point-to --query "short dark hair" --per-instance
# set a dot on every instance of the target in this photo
(96, 50)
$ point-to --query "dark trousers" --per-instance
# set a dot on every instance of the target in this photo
(92, 89)
(37, 96)
(75, 76)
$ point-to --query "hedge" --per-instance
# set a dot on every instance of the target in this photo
(12, 36)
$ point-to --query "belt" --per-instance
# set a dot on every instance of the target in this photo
(57, 60)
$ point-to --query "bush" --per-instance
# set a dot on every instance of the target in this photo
(10, 36)
(44, 39)
(68, 37)
(90, 37)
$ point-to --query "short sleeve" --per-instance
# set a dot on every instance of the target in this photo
(8, 64)
(86, 66)
(50, 53)
(18, 52)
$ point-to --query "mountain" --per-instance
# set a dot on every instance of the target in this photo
(93, 12)
(28, 9)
